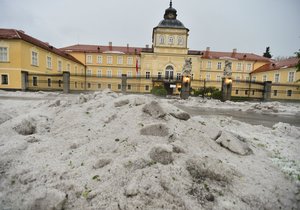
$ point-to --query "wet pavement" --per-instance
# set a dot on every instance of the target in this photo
(254, 118)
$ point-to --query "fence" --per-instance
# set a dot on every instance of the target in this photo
(144, 84)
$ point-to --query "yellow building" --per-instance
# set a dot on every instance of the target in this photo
(42, 63)
(96, 67)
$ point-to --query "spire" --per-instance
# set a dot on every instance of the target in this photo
(171, 3)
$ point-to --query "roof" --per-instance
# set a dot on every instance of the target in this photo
(234, 55)
(102, 49)
(18, 34)
(283, 64)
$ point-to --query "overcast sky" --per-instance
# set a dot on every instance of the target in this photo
(248, 25)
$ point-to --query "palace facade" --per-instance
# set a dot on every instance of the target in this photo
(96, 67)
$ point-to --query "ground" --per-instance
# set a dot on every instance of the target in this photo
(105, 150)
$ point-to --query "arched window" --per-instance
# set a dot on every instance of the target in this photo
(161, 40)
(169, 72)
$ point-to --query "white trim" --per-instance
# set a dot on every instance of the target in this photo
(37, 59)
(275, 77)
(288, 76)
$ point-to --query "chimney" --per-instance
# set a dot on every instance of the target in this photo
(234, 50)
(98, 48)
(147, 46)
(207, 49)
(127, 47)
(110, 46)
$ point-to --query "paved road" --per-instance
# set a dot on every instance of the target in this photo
(253, 118)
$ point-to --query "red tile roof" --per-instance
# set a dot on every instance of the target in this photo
(17, 34)
(288, 63)
(234, 55)
(101, 49)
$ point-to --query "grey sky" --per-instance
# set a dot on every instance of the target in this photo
(248, 25)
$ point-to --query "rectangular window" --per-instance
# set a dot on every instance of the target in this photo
(159, 75)
(246, 92)
(129, 74)
(3, 54)
(68, 67)
(129, 87)
(75, 84)
(99, 86)
(120, 60)
(247, 78)
(99, 73)
(276, 78)
(34, 58)
(237, 79)
(109, 59)
(178, 76)
(49, 62)
(236, 92)
(49, 82)
(264, 78)
(4, 79)
(120, 73)
(147, 75)
(89, 85)
(99, 59)
(109, 86)
(207, 77)
(76, 69)
(275, 92)
(239, 66)
(109, 73)
(253, 92)
(89, 59)
(147, 87)
(289, 93)
(253, 79)
(219, 65)
(130, 60)
(59, 66)
(249, 66)
(89, 72)
(291, 76)
(218, 78)
(119, 86)
(208, 65)
(34, 81)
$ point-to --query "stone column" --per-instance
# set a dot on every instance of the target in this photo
(66, 81)
(24, 80)
(124, 83)
(267, 90)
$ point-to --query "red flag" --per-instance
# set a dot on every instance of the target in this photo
(137, 65)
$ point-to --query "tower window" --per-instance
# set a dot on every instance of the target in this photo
(171, 39)
(161, 40)
(180, 40)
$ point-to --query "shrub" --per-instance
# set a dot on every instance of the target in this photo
(159, 91)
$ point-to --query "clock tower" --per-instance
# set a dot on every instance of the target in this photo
(170, 36)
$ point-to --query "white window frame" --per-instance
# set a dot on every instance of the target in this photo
(249, 66)
(218, 78)
(207, 77)
(129, 60)
(161, 39)
(289, 76)
(49, 61)
(253, 79)
(276, 79)
(99, 59)
(99, 73)
(76, 69)
(120, 60)
(34, 59)
(59, 66)
(68, 66)
(148, 75)
(129, 74)
(239, 66)
(89, 59)
(178, 76)
(89, 72)
(4, 56)
(120, 72)
(209, 64)
(180, 40)
(109, 59)
(264, 78)
(219, 65)
(108, 73)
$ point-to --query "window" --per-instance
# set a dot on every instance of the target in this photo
(161, 40)
(289, 93)
(129, 74)
(291, 76)
(208, 65)
(130, 60)
(81, 84)
(34, 58)
(76, 69)
(147, 87)
(75, 84)
(249, 66)
(109, 59)
(178, 76)
(129, 87)
(246, 92)
(171, 39)
(169, 72)
(237, 78)
(264, 78)
(3, 54)
(253, 92)
(147, 75)
(34, 81)
(247, 78)
(99, 86)
(207, 77)
(236, 92)
(59, 66)
(276, 78)
(218, 78)
(159, 75)
(89, 59)
(99, 73)
(89, 72)
(99, 59)
(4, 79)
(49, 62)
(119, 86)
(109, 73)
(253, 79)
(89, 85)
(120, 73)
(219, 66)
(68, 67)
(201, 64)
(239, 66)
(120, 60)
(109, 86)
(180, 40)
(275, 92)
(49, 82)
